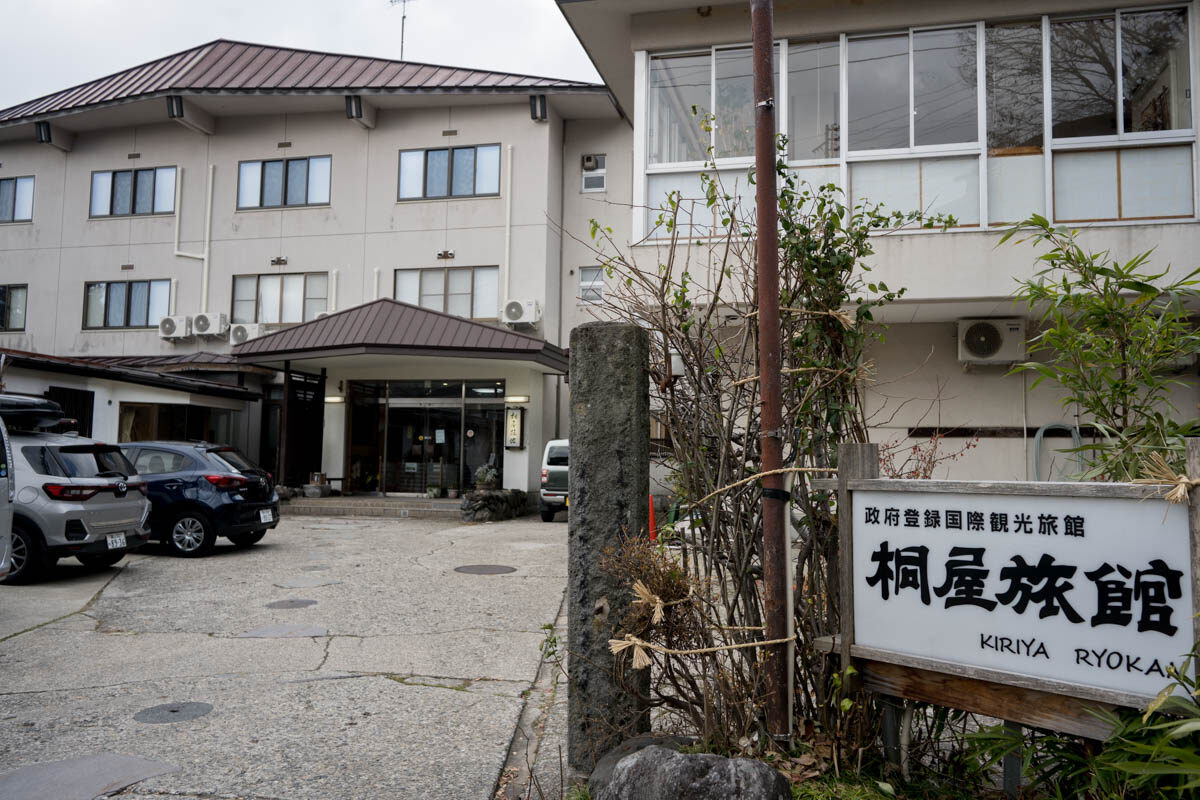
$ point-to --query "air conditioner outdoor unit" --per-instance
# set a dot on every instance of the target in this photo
(210, 324)
(175, 327)
(522, 312)
(244, 332)
(991, 341)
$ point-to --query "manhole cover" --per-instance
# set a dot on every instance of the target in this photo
(292, 604)
(485, 569)
(314, 568)
(173, 712)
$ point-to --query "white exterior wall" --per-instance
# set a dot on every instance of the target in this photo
(947, 275)
(364, 227)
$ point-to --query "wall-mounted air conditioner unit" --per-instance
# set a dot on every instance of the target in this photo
(245, 331)
(175, 327)
(522, 312)
(210, 324)
(991, 341)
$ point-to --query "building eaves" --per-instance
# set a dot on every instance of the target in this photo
(127, 374)
(231, 67)
(387, 326)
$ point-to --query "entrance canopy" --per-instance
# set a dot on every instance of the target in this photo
(389, 327)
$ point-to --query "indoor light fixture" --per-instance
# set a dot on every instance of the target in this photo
(333, 398)
(516, 398)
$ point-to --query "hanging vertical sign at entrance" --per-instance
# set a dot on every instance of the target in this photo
(514, 429)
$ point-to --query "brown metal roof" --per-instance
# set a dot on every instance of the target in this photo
(129, 374)
(238, 67)
(387, 326)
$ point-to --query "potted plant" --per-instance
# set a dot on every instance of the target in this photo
(485, 477)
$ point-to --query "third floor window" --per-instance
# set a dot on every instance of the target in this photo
(450, 172)
(16, 199)
(284, 182)
(120, 193)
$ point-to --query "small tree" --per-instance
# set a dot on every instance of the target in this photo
(1113, 335)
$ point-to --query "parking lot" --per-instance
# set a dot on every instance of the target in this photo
(339, 658)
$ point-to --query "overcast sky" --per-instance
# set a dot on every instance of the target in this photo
(53, 44)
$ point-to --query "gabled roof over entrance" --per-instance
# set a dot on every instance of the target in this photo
(228, 67)
(389, 327)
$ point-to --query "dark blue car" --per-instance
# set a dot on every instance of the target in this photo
(200, 491)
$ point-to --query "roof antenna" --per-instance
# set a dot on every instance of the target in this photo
(403, 19)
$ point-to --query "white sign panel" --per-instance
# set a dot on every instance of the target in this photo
(1086, 591)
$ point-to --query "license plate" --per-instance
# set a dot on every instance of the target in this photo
(116, 541)
(265, 515)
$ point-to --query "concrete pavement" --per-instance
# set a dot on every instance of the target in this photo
(403, 679)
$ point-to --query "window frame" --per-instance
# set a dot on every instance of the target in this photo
(446, 288)
(601, 172)
(128, 304)
(283, 189)
(258, 276)
(596, 284)
(6, 314)
(645, 205)
(112, 184)
(16, 182)
(449, 148)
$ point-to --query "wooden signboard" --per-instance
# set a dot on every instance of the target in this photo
(1030, 602)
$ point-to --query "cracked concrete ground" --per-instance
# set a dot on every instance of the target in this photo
(405, 679)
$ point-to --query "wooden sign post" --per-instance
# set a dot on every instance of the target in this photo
(1029, 602)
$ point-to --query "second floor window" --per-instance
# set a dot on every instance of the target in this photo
(450, 172)
(591, 284)
(284, 182)
(12, 307)
(16, 199)
(469, 292)
(297, 297)
(121, 193)
(125, 304)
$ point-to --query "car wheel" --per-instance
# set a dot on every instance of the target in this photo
(100, 559)
(247, 539)
(191, 534)
(28, 559)
(548, 514)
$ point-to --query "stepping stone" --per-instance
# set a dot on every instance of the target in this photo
(79, 778)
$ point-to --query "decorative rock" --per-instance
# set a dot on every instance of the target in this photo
(602, 774)
(657, 772)
(317, 490)
(484, 505)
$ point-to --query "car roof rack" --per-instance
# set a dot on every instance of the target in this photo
(23, 412)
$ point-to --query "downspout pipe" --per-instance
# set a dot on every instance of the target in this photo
(204, 256)
(508, 155)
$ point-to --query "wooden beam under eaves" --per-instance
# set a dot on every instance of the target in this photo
(54, 136)
(189, 115)
(360, 111)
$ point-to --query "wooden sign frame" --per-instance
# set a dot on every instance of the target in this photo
(1031, 701)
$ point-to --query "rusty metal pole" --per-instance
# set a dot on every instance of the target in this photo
(775, 499)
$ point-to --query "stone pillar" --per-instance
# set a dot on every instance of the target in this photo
(609, 495)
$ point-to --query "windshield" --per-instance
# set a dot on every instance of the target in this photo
(234, 459)
(557, 457)
(94, 461)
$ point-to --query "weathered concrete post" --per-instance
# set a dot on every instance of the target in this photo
(609, 491)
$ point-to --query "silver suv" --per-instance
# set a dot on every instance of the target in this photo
(7, 493)
(74, 497)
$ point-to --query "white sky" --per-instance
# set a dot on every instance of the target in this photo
(53, 44)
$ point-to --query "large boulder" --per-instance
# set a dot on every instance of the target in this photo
(655, 772)
(486, 505)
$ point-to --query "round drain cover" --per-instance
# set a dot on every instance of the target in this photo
(485, 569)
(292, 604)
(173, 712)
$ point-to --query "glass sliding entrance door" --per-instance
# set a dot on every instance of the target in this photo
(422, 435)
